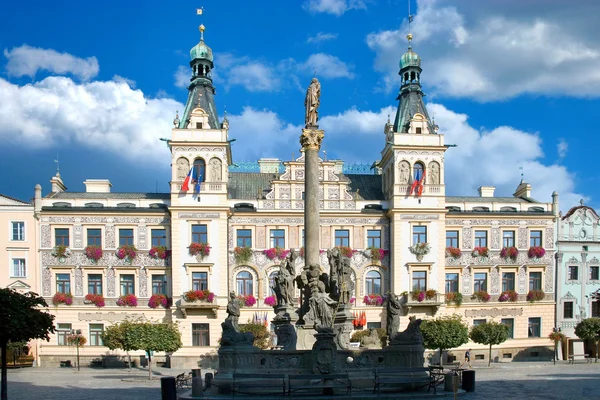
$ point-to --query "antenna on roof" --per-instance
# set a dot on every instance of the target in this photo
(410, 19)
(57, 165)
(522, 173)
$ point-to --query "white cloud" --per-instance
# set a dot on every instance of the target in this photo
(561, 148)
(357, 122)
(335, 7)
(326, 66)
(254, 76)
(121, 79)
(182, 77)
(496, 53)
(321, 37)
(27, 61)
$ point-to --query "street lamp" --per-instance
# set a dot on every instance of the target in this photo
(555, 330)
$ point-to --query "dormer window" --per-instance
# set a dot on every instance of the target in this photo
(198, 125)
(418, 130)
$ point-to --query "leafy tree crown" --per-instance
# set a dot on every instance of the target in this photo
(489, 333)
(445, 332)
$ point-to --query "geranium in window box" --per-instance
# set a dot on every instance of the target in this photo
(127, 252)
(62, 298)
(199, 295)
(373, 300)
(417, 295)
(509, 253)
(480, 252)
(508, 295)
(159, 252)
(454, 297)
(242, 254)
(199, 249)
(270, 301)
(276, 252)
(93, 253)
(482, 296)
(128, 300)
(346, 251)
(430, 294)
(420, 250)
(453, 252)
(375, 253)
(246, 300)
(536, 252)
(157, 300)
(96, 299)
(61, 251)
(535, 295)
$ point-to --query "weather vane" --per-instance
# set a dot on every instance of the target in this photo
(57, 165)
(522, 172)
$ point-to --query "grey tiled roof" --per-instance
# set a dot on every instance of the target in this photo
(112, 195)
(478, 199)
(368, 186)
(247, 185)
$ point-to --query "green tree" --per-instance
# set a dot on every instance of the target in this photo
(489, 333)
(21, 320)
(114, 338)
(262, 336)
(444, 333)
(589, 329)
(152, 337)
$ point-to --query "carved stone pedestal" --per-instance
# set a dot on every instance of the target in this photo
(324, 353)
(343, 327)
(284, 329)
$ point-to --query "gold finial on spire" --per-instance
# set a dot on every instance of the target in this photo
(410, 19)
(202, 29)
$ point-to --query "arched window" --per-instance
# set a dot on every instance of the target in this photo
(373, 282)
(418, 171)
(244, 283)
(199, 170)
(272, 276)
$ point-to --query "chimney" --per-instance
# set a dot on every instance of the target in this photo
(97, 186)
(486, 191)
(555, 209)
(269, 165)
(37, 200)
(523, 190)
(57, 184)
(338, 168)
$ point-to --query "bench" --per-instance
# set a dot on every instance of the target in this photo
(320, 384)
(403, 376)
(65, 363)
(271, 383)
(579, 357)
(183, 380)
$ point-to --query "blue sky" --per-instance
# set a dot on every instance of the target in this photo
(511, 84)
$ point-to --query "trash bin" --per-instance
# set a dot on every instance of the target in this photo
(448, 382)
(468, 380)
(167, 388)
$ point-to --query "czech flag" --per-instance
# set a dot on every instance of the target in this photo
(417, 185)
(186, 183)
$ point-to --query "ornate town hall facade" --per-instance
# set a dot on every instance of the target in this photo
(468, 255)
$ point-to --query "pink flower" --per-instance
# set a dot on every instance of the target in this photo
(270, 301)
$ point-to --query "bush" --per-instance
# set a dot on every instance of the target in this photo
(358, 335)
(262, 336)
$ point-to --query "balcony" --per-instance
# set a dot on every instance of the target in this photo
(184, 306)
(434, 302)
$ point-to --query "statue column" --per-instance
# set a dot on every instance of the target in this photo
(311, 143)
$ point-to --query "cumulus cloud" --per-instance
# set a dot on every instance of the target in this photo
(335, 7)
(561, 148)
(182, 77)
(254, 76)
(496, 52)
(321, 37)
(327, 66)
(27, 61)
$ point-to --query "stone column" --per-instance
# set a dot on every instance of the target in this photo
(311, 143)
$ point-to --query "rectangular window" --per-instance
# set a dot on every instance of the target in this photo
(419, 280)
(96, 334)
(199, 280)
(419, 234)
(125, 237)
(277, 237)
(535, 238)
(573, 273)
(200, 335)
(510, 323)
(244, 238)
(535, 281)
(19, 270)
(478, 322)
(594, 273)
(480, 282)
(61, 237)
(63, 283)
(94, 237)
(159, 237)
(342, 237)
(18, 230)
(595, 309)
(373, 325)
(508, 281)
(62, 331)
(95, 283)
(534, 327)
(199, 234)
(481, 239)
(127, 284)
(508, 239)
(374, 238)
(568, 309)
(452, 283)
(452, 239)
(159, 284)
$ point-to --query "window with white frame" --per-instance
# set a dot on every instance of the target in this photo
(374, 238)
(18, 268)
(244, 283)
(419, 234)
(277, 238)
(342, 237)
(17, 231)
(480, 282)
(373, 282)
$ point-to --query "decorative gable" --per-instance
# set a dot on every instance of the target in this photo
(198, 119)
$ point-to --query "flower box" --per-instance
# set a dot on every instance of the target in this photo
(62, 298)
(480, 252)
(61, 251)
(270, 301)
(454, 297)
(246, 300)
(157, 300)
(375, 253)
(346, 251)
(127, 252)
(509, 253)
(96, 299)
(417, 295)
(199, 249)
(76, 340)
(535, 295)
(453, 252)
(242, 254)
(508, 295)
(159, 252)
(93, 253)
(128, 300)
(373, 300)
(482, 296)
(276, 253)
(199, 295)
(536, 252)
(419, 250)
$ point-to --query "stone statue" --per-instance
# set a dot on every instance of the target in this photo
(183, 167)
(333, 255)
(345, 278)
(233, 311)
(434, 173)
(311, 103)
(404, 173)
(231, 335)
(322, 308)
(411, 336)
(285, 280)
(372, 341)
(393, 315)
(215, 170)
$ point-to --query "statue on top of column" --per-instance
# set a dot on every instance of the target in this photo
(311, 103)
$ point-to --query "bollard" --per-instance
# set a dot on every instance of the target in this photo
(455, 383)
(468, 378)
(168, 390)
(197, 386)
(208, 378)
(448, 382)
